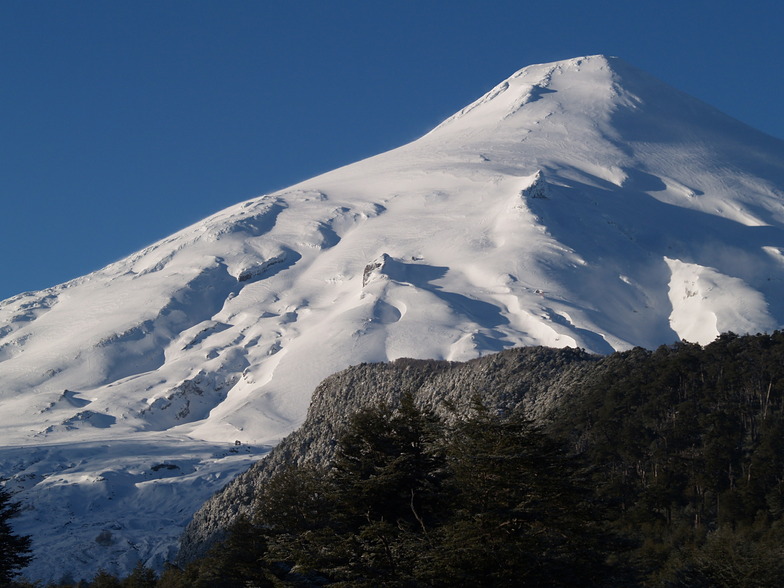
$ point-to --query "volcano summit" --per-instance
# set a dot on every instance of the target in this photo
(580, 203)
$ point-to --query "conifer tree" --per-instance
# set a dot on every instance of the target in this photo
(104, 579)
(382, 493)
(14, 549)
(522, 515)
(140, 577)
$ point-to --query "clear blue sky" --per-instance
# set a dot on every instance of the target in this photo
(122, 122)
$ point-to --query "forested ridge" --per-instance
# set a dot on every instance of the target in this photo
(654, 468)
(687, 448)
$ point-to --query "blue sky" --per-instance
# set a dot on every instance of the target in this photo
(123, 122)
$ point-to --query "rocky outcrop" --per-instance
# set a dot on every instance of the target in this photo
(376, 264)
(538, 188)
(534, 379)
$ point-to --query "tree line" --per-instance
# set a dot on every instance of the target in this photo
(660, 468)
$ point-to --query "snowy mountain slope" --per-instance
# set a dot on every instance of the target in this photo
(580, 203)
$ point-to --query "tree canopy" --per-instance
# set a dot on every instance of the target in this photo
(659, 468)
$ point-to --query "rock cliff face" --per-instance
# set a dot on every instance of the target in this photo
(536, 379)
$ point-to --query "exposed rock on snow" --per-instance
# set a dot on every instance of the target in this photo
(377, 264)
(537, 189)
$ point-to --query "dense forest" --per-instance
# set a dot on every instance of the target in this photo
(659, 468)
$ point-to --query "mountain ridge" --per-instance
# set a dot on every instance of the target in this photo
(681, 443)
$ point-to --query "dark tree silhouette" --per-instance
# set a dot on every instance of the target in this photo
(14, 549)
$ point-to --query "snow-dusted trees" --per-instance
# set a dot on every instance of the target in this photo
(411, 500)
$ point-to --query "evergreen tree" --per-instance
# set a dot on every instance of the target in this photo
(104, 579)
(235, 563)
(14, 549)
(367, 519)
(174, 577)
(140, 577)
(522, 516)
(389, 462)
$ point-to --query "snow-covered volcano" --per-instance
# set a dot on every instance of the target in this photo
(579, 203)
